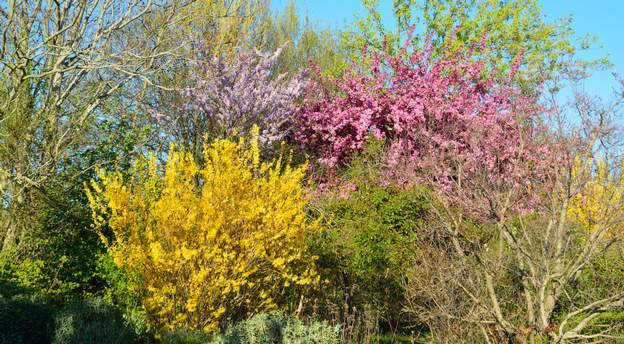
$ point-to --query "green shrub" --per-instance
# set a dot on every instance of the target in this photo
(602, 277)
(117, 291)
(260, 329)
(55, 257)
(371, 231)
(316, 332)
(91, 321)
(370, 235)
(188, 336)
(280, 329)
(28, 317)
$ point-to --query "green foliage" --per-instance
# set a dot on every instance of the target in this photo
(371, 231)
(117, 291)
(57, 255)
(316, 332)
(188, 336)
(28, 317)
(603, 277)
(608, 319)
(514, 28)
(260, 329)
(305, 39)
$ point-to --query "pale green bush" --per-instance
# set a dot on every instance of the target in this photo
(273, 328)
(91, 321)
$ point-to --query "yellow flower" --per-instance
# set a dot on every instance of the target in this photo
(600, 197)
(194, 233)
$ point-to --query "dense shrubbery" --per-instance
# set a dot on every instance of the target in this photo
(278, 328)
(433, 194)
(57, 265)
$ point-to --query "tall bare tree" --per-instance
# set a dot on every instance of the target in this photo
(60, 60)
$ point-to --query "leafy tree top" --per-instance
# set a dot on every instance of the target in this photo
(509, 28)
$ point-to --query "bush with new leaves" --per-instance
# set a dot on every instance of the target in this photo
(370, 232)
(208, 244)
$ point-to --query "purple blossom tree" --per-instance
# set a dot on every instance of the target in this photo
(229, 97)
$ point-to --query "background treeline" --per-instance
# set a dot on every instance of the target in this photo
(220, 171)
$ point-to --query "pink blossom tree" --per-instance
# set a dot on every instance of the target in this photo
(414, 101)
(436, 115)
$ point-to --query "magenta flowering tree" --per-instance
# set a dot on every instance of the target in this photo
(230, 96)
(414, 101)
(441, 120)
(478, 145)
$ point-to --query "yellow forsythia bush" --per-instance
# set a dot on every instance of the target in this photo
(208, 243)
(599, 206)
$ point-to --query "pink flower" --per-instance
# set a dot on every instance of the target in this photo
(441, 121)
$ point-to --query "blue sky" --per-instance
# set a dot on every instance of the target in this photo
(602, 18)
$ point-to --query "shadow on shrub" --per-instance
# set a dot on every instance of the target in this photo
(24, 318)
(91, 321)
